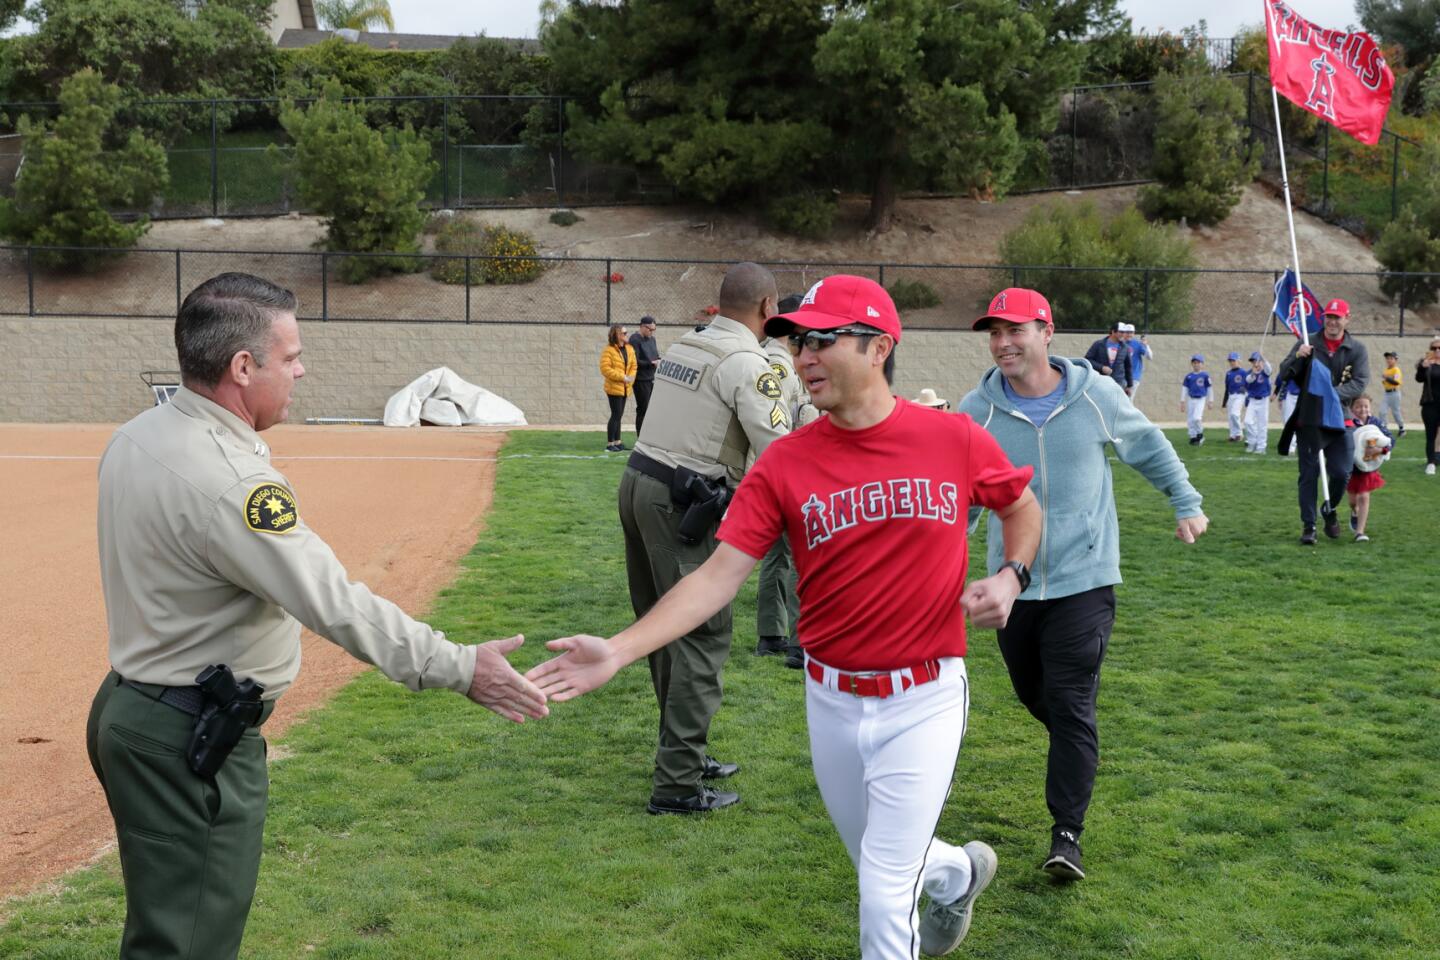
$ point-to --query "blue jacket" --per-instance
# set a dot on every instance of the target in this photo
(1080, 538)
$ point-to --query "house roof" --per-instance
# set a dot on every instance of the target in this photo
(293, 39)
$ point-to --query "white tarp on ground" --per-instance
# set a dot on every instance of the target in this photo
(440, 397)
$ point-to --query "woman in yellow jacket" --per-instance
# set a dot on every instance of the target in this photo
(617, 366)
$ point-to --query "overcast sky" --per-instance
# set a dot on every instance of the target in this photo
(518, 18)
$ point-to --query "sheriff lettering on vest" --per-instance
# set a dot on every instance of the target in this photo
(717, 403)
(208, 571)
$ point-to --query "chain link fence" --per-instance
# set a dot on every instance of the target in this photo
(574, 290)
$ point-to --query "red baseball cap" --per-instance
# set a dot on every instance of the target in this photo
(1018, 305)
(837, 302)
(1338, 308)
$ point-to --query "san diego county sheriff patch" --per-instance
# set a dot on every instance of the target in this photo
(270, 508)
(768, 386)
(780, 370)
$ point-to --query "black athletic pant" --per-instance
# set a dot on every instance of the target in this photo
(1430, 416)
(1053, 650)
(617, 410)
(1339, 451)
(643, 389)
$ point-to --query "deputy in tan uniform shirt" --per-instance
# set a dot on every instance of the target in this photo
(777, 608)
(717, 403)
(205, 559)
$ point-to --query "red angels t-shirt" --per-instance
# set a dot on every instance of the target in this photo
(876, 520)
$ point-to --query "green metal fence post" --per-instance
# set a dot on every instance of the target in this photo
(324, 286)
(1395, 181)
(214, 162)
(1145, 316)
(467, 289)
(609, 270)
(30, 277)
(560, 153)
(1325, 176)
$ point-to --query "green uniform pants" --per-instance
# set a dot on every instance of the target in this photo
(189, 847)
(685, 673)
(777, 609)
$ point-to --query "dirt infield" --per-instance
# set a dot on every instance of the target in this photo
(52, 635)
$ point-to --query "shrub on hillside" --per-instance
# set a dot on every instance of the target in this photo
(72, 177)
(565, 218)
(807, 215)
(913, 295)
(502, 255)
(367, 184)
(1201, 160)
(1411, 243)
(1076, 235)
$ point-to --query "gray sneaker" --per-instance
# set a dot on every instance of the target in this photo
(944, 925)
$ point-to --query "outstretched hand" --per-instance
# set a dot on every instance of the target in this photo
(585, 662)
(498, 687)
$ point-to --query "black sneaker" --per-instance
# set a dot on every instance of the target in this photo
(703, 802)
(1200, 440)
(771, 646)
(1332, 524)
(1307, 537)
(794, 657)
(718, 770)
(1064, 861)
(1354, 523)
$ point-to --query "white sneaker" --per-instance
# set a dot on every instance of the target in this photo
(1429, 469)
(944, 925)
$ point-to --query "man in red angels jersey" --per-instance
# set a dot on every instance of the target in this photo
(874, 499)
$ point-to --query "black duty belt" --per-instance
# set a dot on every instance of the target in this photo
(190, 700)
(652, 468)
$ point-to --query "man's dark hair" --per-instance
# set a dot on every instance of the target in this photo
(1115, 327)
(223, 316)
(790, 304)
(863, 342)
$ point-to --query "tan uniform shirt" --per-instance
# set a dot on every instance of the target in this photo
(716, 402)
(204, 559)
(796, 396)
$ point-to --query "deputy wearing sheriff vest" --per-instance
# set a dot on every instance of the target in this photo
(208, 571)
(777, 609)
(717, 402)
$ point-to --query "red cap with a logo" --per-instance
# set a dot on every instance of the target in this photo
(1018, 305)
(839, 301)
(1337, 308)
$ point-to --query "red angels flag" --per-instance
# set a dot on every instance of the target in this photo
(1340, 77)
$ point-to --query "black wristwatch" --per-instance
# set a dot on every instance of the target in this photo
(1022, 573)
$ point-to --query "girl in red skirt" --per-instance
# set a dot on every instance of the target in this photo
(1372, 448)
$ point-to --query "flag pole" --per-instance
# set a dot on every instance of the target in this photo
(1295, 258)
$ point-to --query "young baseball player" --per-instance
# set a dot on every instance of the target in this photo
(1372, 448)
(1257, 404)
(1195, 392)
(1392, 380)
(878, 487)
(1234, 399)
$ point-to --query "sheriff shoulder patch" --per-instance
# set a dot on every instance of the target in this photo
(780, 370)
(270, 508)
(768, 386)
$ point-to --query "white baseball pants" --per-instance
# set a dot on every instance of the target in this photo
(1235, 409)
(1257, 425)
(884, 768)
(1195, 415)
(1390, 409)
(1288, 402)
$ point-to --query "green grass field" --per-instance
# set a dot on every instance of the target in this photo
(1269, 723)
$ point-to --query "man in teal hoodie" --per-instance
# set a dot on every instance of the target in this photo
(1059, 415)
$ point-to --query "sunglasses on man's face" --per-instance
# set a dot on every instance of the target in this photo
(818, 340)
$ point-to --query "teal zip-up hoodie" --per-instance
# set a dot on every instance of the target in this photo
(1080, 539)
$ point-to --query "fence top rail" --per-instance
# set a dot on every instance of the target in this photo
(817, 264)
(167, 101)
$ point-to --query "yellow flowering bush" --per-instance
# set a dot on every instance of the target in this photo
(517, 252)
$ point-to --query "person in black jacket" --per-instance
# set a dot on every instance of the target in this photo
(1427, 376)
(1110, 355)
(1349, 365)
(647, 358)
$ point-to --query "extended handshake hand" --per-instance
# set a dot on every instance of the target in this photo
(585, 662)
(498, 687)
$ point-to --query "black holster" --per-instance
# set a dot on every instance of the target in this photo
(704, 501)
(230, 708)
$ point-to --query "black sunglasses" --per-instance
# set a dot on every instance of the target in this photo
(818, 340)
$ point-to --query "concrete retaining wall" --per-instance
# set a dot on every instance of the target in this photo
(86, 370)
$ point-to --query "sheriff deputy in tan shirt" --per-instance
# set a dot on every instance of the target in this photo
(205, 559)
(717, 404)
